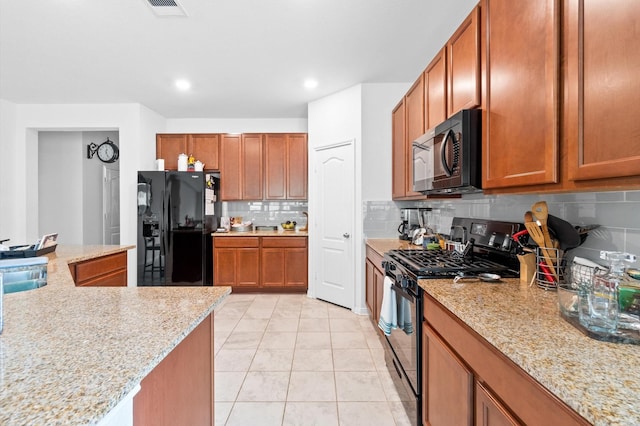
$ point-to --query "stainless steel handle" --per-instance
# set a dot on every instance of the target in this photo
(346, 235)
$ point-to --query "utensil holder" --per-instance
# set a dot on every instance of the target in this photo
(549, 269)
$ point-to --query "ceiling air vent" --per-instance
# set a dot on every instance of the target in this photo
(167, 7)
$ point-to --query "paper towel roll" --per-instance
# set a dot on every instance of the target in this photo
(160, 164)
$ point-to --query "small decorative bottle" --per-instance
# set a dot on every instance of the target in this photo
(602, 313)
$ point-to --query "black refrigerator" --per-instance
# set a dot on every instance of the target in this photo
(177, 211)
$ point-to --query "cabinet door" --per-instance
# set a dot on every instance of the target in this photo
(168, 147)
(296, 267)
(205, 148)
(378, 280)
(414, 104)
(521, 118)
(251, 167)
(275, 167)
(603, 63)
(369, 288)
(248, 267)
(464, 65)
(435, 91)
(230, 170)
(297, 159)
(489, 412)
(399, 161)
(447, 397)
(224, 266)
(273, 264)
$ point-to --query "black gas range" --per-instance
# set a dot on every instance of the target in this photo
(488, 248)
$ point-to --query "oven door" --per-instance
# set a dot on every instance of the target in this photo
(405, 340)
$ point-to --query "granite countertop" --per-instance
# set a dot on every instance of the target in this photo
(254, 233)
(599, 380)
(381, 245)
(69, 354)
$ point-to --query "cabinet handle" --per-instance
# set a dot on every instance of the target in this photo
(346, 235)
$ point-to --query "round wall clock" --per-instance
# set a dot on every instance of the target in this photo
(107, 151)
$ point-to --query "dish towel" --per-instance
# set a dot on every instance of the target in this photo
(389, 311)
(404, 316)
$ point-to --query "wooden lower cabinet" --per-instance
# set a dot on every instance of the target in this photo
(489, 411)
(374, 278)
(466, 380)
(261, 263)
(236, 261)
(104, 271)
(284, 262)
(179, 391)
(447, 385)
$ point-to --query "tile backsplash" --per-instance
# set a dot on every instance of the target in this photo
(269, 213)
(615, 212)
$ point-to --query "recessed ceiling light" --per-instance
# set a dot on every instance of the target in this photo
(310, 83)
(183, 84)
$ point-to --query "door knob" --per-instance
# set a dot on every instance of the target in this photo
(346, 235)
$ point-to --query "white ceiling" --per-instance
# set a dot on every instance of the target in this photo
(245, 58)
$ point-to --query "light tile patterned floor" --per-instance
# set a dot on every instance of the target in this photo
(292, 360)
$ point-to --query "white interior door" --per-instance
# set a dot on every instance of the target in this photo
(335, 180)
(111, 205)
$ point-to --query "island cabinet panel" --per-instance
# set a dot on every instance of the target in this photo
(435, 90)
(489, 412)
(169, 146)
(447, 384)
(205, 148)
(285, 166)
(104, 271)
(521, 118)
(603, 64)
(463, 54)
(516, 391)
(179, 390)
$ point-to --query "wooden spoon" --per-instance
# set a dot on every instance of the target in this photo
(541, 212)
(536, 233)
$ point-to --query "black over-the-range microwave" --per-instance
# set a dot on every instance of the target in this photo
(447, 159)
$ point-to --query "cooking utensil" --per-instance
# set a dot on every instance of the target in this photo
(565, 233)
(536, 233)
(541, 212)
(483, 276)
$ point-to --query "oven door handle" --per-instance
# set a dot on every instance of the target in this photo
(403, 293)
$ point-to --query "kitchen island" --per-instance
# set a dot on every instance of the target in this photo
(69, 355)
(599, 381)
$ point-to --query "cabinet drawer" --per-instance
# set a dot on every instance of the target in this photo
(236, 242)
(114, 279)
(284, 242)
(93, 268)
(375, 258)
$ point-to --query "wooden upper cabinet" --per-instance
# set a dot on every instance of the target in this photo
(463, 54)
(169, 146)
(297, 166)
(251, 167)
(407, 125)
(435, 91)
(602, 86)
(206, 148)
(231, 167)
(399, 163)
(520, 124)
(285, 162)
